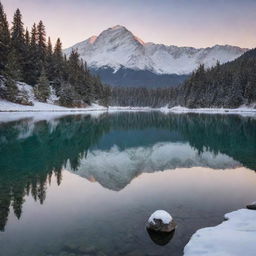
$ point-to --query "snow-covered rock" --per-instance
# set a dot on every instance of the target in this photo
(118, 48)
(162, 215)
(234, 237)
(161, 221)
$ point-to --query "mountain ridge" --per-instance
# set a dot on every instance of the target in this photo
(117, 47)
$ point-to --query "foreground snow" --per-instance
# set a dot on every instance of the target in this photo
(234, 237)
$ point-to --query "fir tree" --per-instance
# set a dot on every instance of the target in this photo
(66, 95)
(18, 38)
(49, 64)
(11, 89)
(49, 51)
(58, 61)
(13, 68)
(41, 36)
(34, 66)
(27, 59)
(4, 39)
(12, 74)
(42, 89)
(27, 38)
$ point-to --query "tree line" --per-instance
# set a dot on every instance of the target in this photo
(28, 56)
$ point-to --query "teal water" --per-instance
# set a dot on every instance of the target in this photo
(85, 185)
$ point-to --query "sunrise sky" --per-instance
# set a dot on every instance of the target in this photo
(198, 23)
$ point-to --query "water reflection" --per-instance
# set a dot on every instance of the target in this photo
(81, 216)
(160, 238)
(114, 149)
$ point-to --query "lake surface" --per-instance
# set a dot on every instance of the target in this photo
(86, 185)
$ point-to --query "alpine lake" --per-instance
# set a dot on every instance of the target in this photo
(86, 184)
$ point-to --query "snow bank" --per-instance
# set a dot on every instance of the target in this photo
(162, 215)
(179, 109)
(128, 108)
(234, 237)
(6, 106)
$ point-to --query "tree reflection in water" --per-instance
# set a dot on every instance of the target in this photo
(32, 151)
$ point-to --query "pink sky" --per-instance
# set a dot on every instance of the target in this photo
(198, 23)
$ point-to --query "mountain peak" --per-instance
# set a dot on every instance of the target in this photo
(117, 47)
(117, 27)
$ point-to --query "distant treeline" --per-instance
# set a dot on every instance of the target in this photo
(29, 57)
(229, 85)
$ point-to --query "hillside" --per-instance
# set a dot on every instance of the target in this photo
(230, 85)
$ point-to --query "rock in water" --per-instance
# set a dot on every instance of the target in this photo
(161, 221)
(252, 206)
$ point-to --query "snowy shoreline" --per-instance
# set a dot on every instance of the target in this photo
(6, 106)
(235, 236)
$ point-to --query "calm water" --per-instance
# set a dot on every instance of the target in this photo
(82, 185)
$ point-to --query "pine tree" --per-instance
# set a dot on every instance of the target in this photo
(66, 95)
(13, 68)
(4, 39)
(18, 38)
(12, 74)
(49, 64)
(49, 51)
(74, 67)
(27, 38)
(58, 61)
(106, 96)
(11, 90)
(34, 66)
(27, 59)
(42, 89)
(41, 41)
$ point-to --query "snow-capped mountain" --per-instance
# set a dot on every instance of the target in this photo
(117, 48)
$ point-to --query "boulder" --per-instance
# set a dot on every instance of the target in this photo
(161, 221)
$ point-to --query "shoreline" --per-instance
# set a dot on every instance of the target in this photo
(235, 236)
(10, 107)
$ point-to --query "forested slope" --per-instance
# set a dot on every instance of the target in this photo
(229, 85)
(30, 57)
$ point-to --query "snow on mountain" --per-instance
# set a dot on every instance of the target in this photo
(118, 48)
